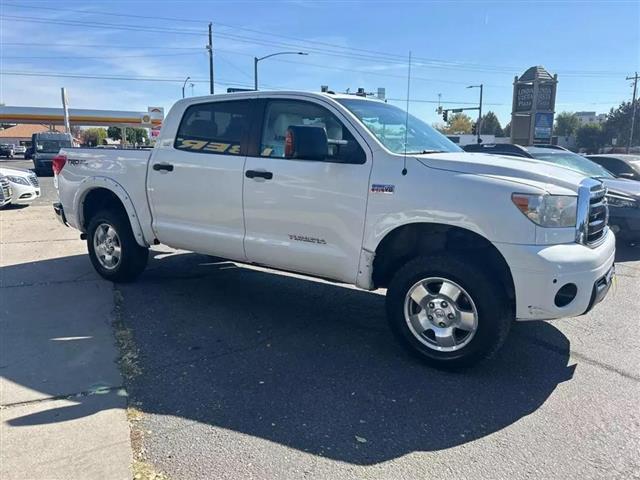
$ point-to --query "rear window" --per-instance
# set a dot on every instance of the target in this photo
(216, 127)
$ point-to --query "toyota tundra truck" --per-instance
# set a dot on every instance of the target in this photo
(356, 191)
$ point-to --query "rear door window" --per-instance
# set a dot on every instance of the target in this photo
(215, 127)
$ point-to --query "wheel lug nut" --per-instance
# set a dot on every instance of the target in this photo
(432, 305)
(443, 304)
(442, 324)
(430, 317)
(451, 316)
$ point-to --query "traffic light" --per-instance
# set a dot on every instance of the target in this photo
(474, 128)
(445, 115)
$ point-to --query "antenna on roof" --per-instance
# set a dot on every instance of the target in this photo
(406, 121)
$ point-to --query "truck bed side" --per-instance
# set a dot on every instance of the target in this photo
(92, 171)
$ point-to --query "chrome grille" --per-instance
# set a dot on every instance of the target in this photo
(598, 215)
(5, 188)
(34, 181)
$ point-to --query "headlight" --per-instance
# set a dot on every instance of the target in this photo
(20, 180)
(549, 211)
(619, 200)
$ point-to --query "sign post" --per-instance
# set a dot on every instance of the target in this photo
(534, 98)
(65, 108)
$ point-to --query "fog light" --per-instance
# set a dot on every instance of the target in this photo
(566, 295)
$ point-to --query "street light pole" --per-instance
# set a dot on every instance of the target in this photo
(256, 60)
(255, 73)
(184, 85)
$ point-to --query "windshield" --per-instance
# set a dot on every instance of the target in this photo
(52, 146)
(387, 124)
(572, 161)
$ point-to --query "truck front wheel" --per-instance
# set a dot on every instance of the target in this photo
(448, 311)
(113, 250)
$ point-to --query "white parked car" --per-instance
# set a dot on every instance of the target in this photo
(24, 184)
(6, 193)
(336, 186)
(19, 149)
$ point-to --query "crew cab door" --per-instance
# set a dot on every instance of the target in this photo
(306, 215)
(195, 184)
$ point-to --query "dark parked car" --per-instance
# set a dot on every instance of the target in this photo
(623, 195)
(6, 150)
(621, 166)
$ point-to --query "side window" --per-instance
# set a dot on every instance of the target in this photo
(618, 167)
(614, 166)
(216, 127)
(281, 114)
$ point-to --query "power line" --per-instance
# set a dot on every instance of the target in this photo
(101, 56)
(73, 23)
(94, 45)
(113, 14)
(99, 76)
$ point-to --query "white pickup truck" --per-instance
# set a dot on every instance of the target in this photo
(320, 184)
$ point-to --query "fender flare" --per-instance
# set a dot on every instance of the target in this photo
(89, 184)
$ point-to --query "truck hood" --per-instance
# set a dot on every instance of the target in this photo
(16, 172)
(623, 186)
(520, 170)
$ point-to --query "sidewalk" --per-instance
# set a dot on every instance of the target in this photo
(62, 413)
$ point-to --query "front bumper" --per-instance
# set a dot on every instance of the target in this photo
(24, 193)
(59, 211)
(540, 271)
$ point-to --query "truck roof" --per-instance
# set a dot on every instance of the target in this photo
(277, 93)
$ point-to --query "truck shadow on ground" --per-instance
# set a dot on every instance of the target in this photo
(313, 366)
(306, 364)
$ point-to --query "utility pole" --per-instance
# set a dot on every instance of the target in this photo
(633, 109)
(210, 48)
(479, 122)
(480, 115)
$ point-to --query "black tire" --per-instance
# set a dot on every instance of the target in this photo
(133, 259)
(494, 315)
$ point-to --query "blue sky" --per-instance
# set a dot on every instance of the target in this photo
(592, 46)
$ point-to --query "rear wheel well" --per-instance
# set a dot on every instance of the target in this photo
(410, 241)
(100, 199)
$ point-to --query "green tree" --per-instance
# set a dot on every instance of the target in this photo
(93, 136)
(590, 138)
(566, 124)
(506, 131)
(491, 125)
(134, 135)
(458, 123)
(618, 124)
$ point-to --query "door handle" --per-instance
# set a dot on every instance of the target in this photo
(259, 174)
(167, 167)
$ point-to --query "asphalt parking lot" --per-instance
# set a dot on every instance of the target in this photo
(246, 373)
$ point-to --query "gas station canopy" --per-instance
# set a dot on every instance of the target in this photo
(153, 117)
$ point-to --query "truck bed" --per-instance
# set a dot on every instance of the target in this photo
(123, 170)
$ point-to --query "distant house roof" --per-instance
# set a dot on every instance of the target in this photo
(26, 130)
(536, 72)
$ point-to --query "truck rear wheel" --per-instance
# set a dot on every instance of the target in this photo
(448, 311)
(113, 249)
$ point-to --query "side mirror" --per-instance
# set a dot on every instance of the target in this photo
(306, 142)
(630, 176)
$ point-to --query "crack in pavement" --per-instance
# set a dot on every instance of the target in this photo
(582, 357)
(53, 282)
(40, 241)
(66, 396)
